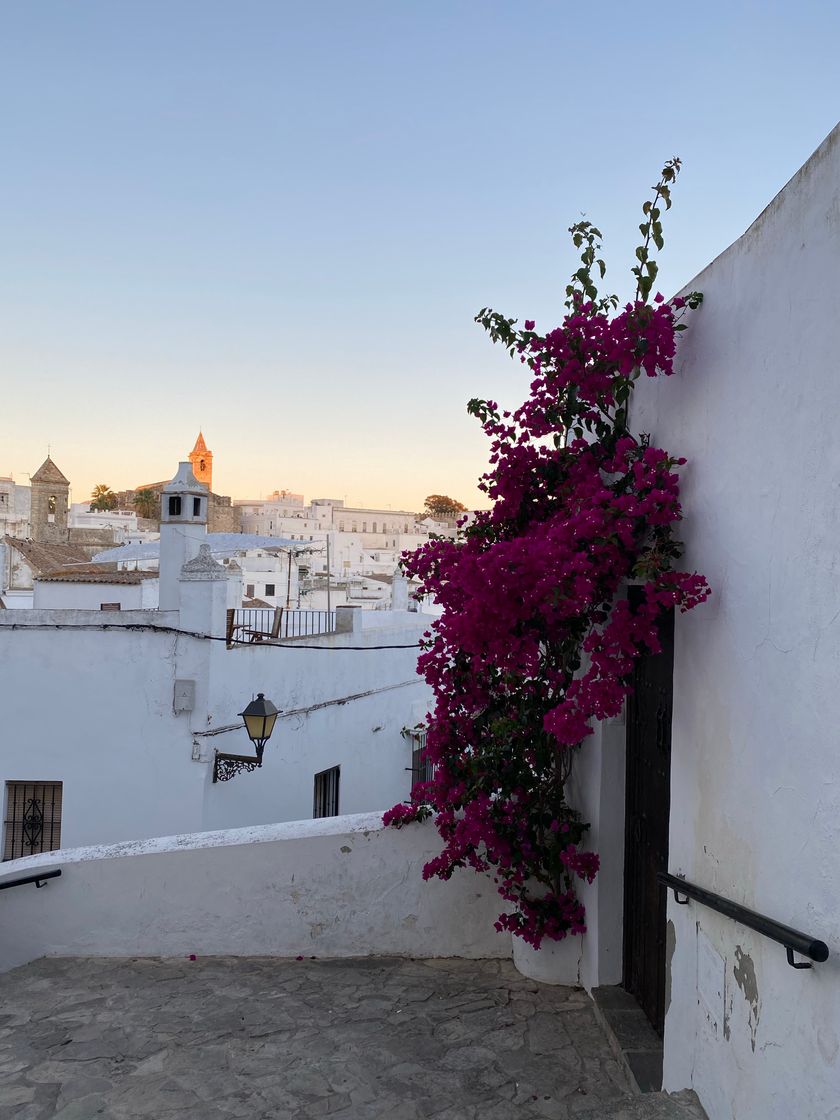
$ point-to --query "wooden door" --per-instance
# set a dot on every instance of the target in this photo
(648, 801)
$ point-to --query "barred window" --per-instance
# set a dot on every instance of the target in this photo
(32, 821)
(422, 769)
(325, 802)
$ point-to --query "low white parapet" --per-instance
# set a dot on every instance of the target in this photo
(335, 887)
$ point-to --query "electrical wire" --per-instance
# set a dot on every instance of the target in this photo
(104, 626)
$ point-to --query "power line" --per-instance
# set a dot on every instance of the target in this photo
(105, 626)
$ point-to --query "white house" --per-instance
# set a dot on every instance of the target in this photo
(15, 506)
(122, 521)
(133, 705)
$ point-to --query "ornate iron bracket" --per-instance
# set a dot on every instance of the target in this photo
(227, 766)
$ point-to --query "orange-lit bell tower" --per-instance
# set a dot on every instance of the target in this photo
(202, 462)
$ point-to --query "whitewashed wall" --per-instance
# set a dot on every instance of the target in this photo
(54, 594)
(755, 800)
(94, 709)
(334, 888)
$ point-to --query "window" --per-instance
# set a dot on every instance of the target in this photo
(341, 526)
(109, 606)
(373, 530)
(202, 466)
(51, 503)
(269, 589)
(422, 770)
(364, 526)
(325, 802)
(249, 591)
(196, 507)
(175, 506)
(33, 818)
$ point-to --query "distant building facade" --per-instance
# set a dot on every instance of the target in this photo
(15, 506)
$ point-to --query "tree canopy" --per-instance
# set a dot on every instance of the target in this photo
(147, 504)
(442, 508)
(103, 498)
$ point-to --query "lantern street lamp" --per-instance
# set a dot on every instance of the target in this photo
(259, 717)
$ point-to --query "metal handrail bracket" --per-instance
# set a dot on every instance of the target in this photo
(40, 880)
(793, 940)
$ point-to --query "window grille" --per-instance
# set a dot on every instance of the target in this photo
(325, 802)
(33, 818)
(269, 589)
(422, 769)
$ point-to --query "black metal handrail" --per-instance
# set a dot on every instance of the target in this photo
(793, 939)
(39, 880)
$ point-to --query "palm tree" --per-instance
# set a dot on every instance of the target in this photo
(147, 504)
(103, 497)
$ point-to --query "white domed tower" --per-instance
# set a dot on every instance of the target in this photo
(183, 529)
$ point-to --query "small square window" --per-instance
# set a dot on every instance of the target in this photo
(269, 589)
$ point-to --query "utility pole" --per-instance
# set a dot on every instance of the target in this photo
(328, 569)
(289, 581)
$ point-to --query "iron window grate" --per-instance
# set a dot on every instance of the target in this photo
(33, 818)
(325, 801)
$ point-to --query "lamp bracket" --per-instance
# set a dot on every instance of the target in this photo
(227, 766)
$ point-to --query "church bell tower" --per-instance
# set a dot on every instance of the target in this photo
(202, 462)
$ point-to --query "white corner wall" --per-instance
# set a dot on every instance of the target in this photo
(755, 794)
(342, 887)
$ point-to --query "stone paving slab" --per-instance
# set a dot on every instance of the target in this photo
(265, 1039)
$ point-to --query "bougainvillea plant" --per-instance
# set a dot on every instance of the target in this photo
(538, 638)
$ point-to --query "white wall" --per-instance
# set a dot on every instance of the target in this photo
(132, 767)
(337, 888)
(755, 795)
(55, 594)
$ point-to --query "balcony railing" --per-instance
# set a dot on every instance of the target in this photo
(250, 625)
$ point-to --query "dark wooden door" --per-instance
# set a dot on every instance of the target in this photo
(646, 825)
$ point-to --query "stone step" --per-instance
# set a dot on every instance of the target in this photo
(651, 1106)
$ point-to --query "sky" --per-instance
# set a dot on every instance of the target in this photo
(275, 221)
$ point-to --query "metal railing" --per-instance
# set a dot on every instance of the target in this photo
(793, 939)
(248, 625)
(39, 880)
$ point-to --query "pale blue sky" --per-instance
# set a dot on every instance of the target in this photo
(276, 221)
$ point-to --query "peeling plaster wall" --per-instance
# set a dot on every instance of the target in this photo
(755, 794)
(331, 888)
(94, 709)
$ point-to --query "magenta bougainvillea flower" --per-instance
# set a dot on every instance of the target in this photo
(538, 638)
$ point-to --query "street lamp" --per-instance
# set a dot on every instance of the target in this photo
(259, 718)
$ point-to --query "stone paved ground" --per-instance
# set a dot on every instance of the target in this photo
(268, 1040)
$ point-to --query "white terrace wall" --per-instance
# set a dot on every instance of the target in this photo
(94, 708)
(343, 887)
(755, 796)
